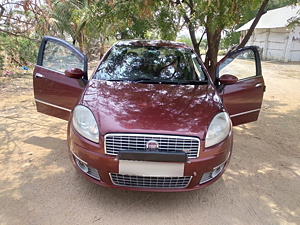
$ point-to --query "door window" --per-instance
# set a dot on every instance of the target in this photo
(59, 58)
(242, 65)
(242, 100)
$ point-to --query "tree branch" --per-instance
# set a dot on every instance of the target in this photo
(189, 4)
(2, 10)
(261, 12)
(16, 21)
(19, 35)
(202, 37)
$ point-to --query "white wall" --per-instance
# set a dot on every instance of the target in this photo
(295, 46)
(281, 44)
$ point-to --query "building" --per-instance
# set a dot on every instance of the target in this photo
(274, 36)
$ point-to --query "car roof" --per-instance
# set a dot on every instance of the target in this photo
(153, 43)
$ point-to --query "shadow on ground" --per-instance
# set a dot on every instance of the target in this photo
(39, 185)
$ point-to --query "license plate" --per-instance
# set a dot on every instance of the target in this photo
(157, 169)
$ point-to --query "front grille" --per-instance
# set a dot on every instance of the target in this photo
(150, 182)
(118, 142)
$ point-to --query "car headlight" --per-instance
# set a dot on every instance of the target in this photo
(218, 129)
(85, 124)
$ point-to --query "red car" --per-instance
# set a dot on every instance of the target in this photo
(150, 118)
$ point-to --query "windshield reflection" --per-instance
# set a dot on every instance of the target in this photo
(155, 63)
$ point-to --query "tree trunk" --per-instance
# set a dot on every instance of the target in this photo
(191, 27)
(192, 33)
(261, 11)
(80, 42)
(102, 45)
(211, 58)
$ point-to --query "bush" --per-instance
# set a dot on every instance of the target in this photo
(231, 39)
(18, 51)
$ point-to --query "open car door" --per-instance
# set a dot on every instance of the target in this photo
(243, 99)
(55, 93)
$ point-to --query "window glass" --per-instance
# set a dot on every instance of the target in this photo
(58, 57)
(242, 65)
(133, 62)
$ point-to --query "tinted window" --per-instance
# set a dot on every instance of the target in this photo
(58, 57)
(128, 62)
(242, 65)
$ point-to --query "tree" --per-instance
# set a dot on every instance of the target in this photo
(274, 4)
(21, 24)
(90, 22)
(71, 17)
(22, 18)
(261, 11)
(216, 16)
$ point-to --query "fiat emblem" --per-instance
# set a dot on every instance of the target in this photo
(152, 145)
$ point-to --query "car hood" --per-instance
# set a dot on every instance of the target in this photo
(152, 108)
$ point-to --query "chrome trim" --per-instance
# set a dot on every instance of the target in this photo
(243, 113)
(92, 172)
(222, 164)
(226, 160)
(78, 157)
(55, 106)
(153, 135)
(38, 75)
(259, 85)
(208, 176)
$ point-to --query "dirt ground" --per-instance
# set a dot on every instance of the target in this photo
(38, 184)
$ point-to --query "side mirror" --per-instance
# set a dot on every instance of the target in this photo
(228, 79)
(74, 73)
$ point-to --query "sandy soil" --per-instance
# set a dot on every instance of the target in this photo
(38, 184)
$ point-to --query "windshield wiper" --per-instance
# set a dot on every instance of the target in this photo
(156, 81)
(160, 81)
(194, 82)
(180, 82)
(131, 79)
(117, 80)
(142, 79)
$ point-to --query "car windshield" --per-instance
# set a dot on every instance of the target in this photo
(144, 63)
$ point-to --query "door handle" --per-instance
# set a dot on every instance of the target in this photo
(38, 75)
(258, 85)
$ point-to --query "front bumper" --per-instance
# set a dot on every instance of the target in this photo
(91, 161)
